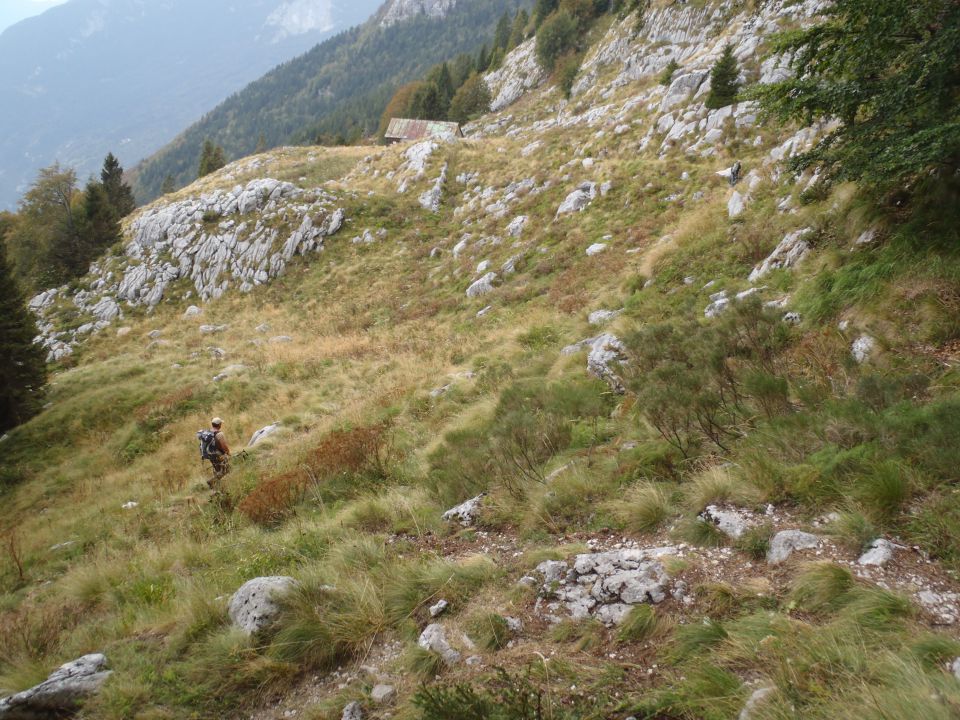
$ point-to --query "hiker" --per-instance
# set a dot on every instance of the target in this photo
(213, 447)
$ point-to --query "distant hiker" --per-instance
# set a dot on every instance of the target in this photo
(735, 173)
(213, 447)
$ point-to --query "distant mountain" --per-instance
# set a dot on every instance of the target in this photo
(340, 87)
(92, 76)
(13, 11)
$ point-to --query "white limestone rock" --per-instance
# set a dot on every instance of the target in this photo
(736, 205)
(879, 554)
(263, 433)
(434, 638)
(579, 199)
(515, 228)
(732, 522)
(465, 513)
(519, 73)
(755, 700)
(596, 249)
(601, 317)
(785, 542)
(383, 694)
(605, 351)
(863, 348)
(482, 286)
(400, 10)
(61, 693)
(791, 250)
(254, 606)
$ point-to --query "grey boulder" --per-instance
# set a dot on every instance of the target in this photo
(434, 639)
(784, 543)
(61, 693)
(254, 606)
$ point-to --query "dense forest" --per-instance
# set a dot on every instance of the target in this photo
(335, 92)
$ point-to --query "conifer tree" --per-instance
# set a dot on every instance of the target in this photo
(501, 36)
(22, 366)
(168, 186)
(101, 224)
(211, 158)
(518, 31)
(483, 59)
(724, 82)
(427, 103)
(542, 10)
(119, 192)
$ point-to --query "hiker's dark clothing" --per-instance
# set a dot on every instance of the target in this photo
(221, 460)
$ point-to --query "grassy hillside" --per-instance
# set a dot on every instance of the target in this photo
(399, 396)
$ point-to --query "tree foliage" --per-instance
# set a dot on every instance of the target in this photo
(556, 36)
(888, 72)
(22, 366)
(118, 192)
(212, 158)
(471, 100)
(724, 80)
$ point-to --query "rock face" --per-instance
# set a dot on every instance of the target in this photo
(464, 513)
(784, 543)
(400, 10)
(788, 253)
(253, 607)
(352, 711)
(604, 585)
(238, 238)
(434, 638)
(60, 693)
(519, 73)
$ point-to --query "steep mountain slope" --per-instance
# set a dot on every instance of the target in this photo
(342, 84)
(696, 444)
(90, 77)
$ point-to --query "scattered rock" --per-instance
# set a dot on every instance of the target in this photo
(758, 696)
(785, 542)
(862, 348)
(515, 228)
(434, 638)
(466, 512)
(438, 609)
(130, 505)
(732, 522)
(736, 205)
(577, 200)
(280, 340)
(352, 711)
(788, 253)
(604, 352)
(192, 311)
(955, 668)
(596, 249)
(867, 237)
(263, 433)
(212, 329)
(482, 286)
(61, 693)
(253, 607)
(944, 606)
(604, 584)
(879, 554)
(124, 331)
(383, 694)
(600, 317)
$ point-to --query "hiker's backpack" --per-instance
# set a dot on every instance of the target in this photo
(208, 444)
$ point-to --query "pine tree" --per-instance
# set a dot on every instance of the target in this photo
(440, 76)
(724, 82)
(261, 144)
(101, 224)
(119, 192)
(427, 103)
(519, 29)
(22, 367)
(168, 186)
(542, 10)
(483, 59)
(211, 158)
(501, 36)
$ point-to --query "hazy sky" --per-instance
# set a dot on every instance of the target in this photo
(12, 11)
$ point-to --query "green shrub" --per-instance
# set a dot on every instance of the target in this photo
(490, 631)
(556, 36)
